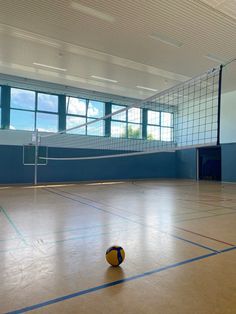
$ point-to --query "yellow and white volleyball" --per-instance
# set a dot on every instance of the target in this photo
(115, 255)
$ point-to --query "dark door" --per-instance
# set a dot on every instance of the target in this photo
(210, 163)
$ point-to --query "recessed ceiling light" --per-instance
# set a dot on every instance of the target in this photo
(147, 88)
(166, 40)
(103, 79)
(214, 58)
(49, 67)
(92, 12)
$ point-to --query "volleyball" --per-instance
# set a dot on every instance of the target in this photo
(115, 255)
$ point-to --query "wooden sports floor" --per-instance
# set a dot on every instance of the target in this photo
(179, 238)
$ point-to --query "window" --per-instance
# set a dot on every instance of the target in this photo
(31, 110)
(23, 106)
(134, 123)
(82, 111)
(47, 113)
(96, 109)
(126, 123)
(159, 126)
(119, 122)
(47, 103)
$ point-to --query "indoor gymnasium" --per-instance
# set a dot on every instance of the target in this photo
(118, 156)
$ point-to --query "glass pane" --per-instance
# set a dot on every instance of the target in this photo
(96, 128)
(22, 99)
(120, 116)
(72, 122)
(0, 96)
(153, 132)
(153, 117)
(21, 120)
(118, 129)
(0, 117)
(166, 134)
(96, 109)
(134, 115)
(48, 102)
(47, 122)
(134, 131)
(166, 119)
(76, 106)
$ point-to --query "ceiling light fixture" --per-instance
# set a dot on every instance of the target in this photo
(103, 79)
(166, 40)
(92, 12)
(147, 88)
(49, 67)
(214, 58)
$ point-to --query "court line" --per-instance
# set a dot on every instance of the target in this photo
(133, 221)
(116, 208)
(98, 202)
(186, 213)
(114, 283)
(204, 236)
(13, 224)
(92, 227)
(84, 203)
(88, 236)
(209, 204)
(196, 218)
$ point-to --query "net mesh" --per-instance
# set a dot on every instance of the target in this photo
(183, 116)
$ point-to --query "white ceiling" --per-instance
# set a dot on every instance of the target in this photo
(149, 43)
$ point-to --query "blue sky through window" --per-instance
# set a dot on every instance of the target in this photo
(76, 106)
(96, 109)
(47, 102)
(22, 99)
(72, 121)
(22, 120)
(47, 122)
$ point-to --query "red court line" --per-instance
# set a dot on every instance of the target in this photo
(204, 236)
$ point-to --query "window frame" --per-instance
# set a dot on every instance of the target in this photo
(36, 111)
(161, 126)
(86, 116)
(127, 123)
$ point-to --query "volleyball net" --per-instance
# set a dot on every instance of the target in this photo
(183, 116)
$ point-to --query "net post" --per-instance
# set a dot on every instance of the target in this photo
(219, 104)
(36, 159)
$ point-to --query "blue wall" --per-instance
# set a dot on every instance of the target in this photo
(12, 170)
(228, 162)
(181, 164)
(186, 163)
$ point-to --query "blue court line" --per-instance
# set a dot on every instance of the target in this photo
(110, 284)
(89, 205)
(133, 221)
(56, 232)
(95, 201)
(188, 219)
(88, 236)
(13, 224)
(228, 249)
(73, 230)
(194, 243)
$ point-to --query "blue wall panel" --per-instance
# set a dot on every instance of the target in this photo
(228, 162)
(12, 170)
(186, 163)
